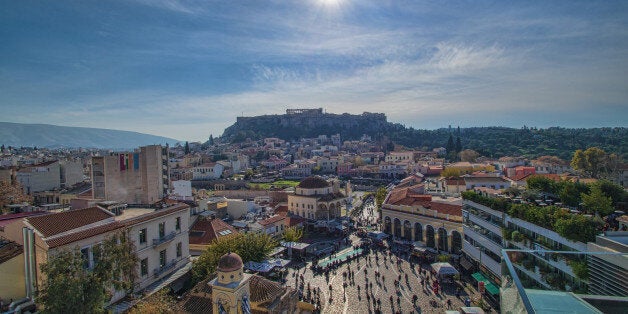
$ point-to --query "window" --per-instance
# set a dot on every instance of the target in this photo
(144, 267)
(179, 249)
(85, 257)
(143, 236)
(162, 258)
(178, 224)
(162, 230)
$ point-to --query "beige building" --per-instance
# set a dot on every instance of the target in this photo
(315, 199)
(12, 285)
(410, 215)
(160, 238)
(140, 177)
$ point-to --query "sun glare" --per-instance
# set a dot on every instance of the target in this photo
(330, 4)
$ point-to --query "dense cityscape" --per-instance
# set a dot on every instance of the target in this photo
(313, 156)
(321, 224)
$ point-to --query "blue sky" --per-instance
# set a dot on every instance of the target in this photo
(187, 69)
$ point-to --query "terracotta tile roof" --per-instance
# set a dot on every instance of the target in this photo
(271, 220)
(158, 213)
(295, 220)
(264, 290)
(522, 176)
(80, 235)
(56, 223)
(447, 209)
(204, 230)
(281, 209)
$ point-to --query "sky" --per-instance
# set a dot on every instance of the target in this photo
(187, 69)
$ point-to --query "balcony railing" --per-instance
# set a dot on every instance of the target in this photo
(164, 239)
(164, 269)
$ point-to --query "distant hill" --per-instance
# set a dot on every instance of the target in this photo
(54, 136)
(488, 141)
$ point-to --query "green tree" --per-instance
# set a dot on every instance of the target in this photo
(71, 287)
(292, 234)
(614, 191)
(540, 183)
(451, 172)
(591, 161)
(380, 196)
(250, 246)
(596, 201)
(211, 139)
(186, 149)
(450, 147)
(570, 192)
(577, 228)
(458, 145)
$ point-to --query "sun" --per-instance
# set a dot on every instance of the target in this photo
(331, 4)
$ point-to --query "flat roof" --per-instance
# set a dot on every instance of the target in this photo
(133, 212)
(544, 301)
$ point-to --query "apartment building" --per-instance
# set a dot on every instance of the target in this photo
(40, 177)
(139, 177)
(487, 231)
(608, 273)
(160, 238)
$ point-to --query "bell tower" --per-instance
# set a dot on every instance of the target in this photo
(230, 289)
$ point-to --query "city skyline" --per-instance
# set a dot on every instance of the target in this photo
(188, 69)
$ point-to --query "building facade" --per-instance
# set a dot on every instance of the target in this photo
(316, 199)
(140, 177)
(414, 217)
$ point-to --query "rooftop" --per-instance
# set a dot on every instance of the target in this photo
(57, 223)
(314, 182)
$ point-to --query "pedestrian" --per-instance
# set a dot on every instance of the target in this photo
(448, 303)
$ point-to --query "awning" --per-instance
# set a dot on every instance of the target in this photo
(488, 285)
(464, 262)
(444, 269)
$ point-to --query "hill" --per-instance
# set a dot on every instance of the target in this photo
(54, 136)
(489, 141)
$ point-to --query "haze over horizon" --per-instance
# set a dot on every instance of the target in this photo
(187, 69)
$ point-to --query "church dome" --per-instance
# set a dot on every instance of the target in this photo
(229, 262)
(314, 182)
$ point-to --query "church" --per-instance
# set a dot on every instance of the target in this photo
(232, 291)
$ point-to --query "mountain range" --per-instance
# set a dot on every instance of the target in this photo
(54, 136)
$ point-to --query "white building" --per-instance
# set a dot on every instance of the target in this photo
(207, 171)
(40, 177)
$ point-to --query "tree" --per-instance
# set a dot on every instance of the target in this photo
(591, 161)
(570, 192)
(292, 234)
(458, 145)
(12, 194)
(468, 155)
(250, 246)
(380, 196)
(71, 287)
(541, 183)
(612, 190)
(187, 148)
(451, 172)
(596, 201)
(211, 139)
(450, 147)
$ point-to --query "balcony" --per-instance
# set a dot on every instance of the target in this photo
(486, 223)
(165, 269)
(484, 259)
(483, 240)
(167, 238)
(527, 288)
